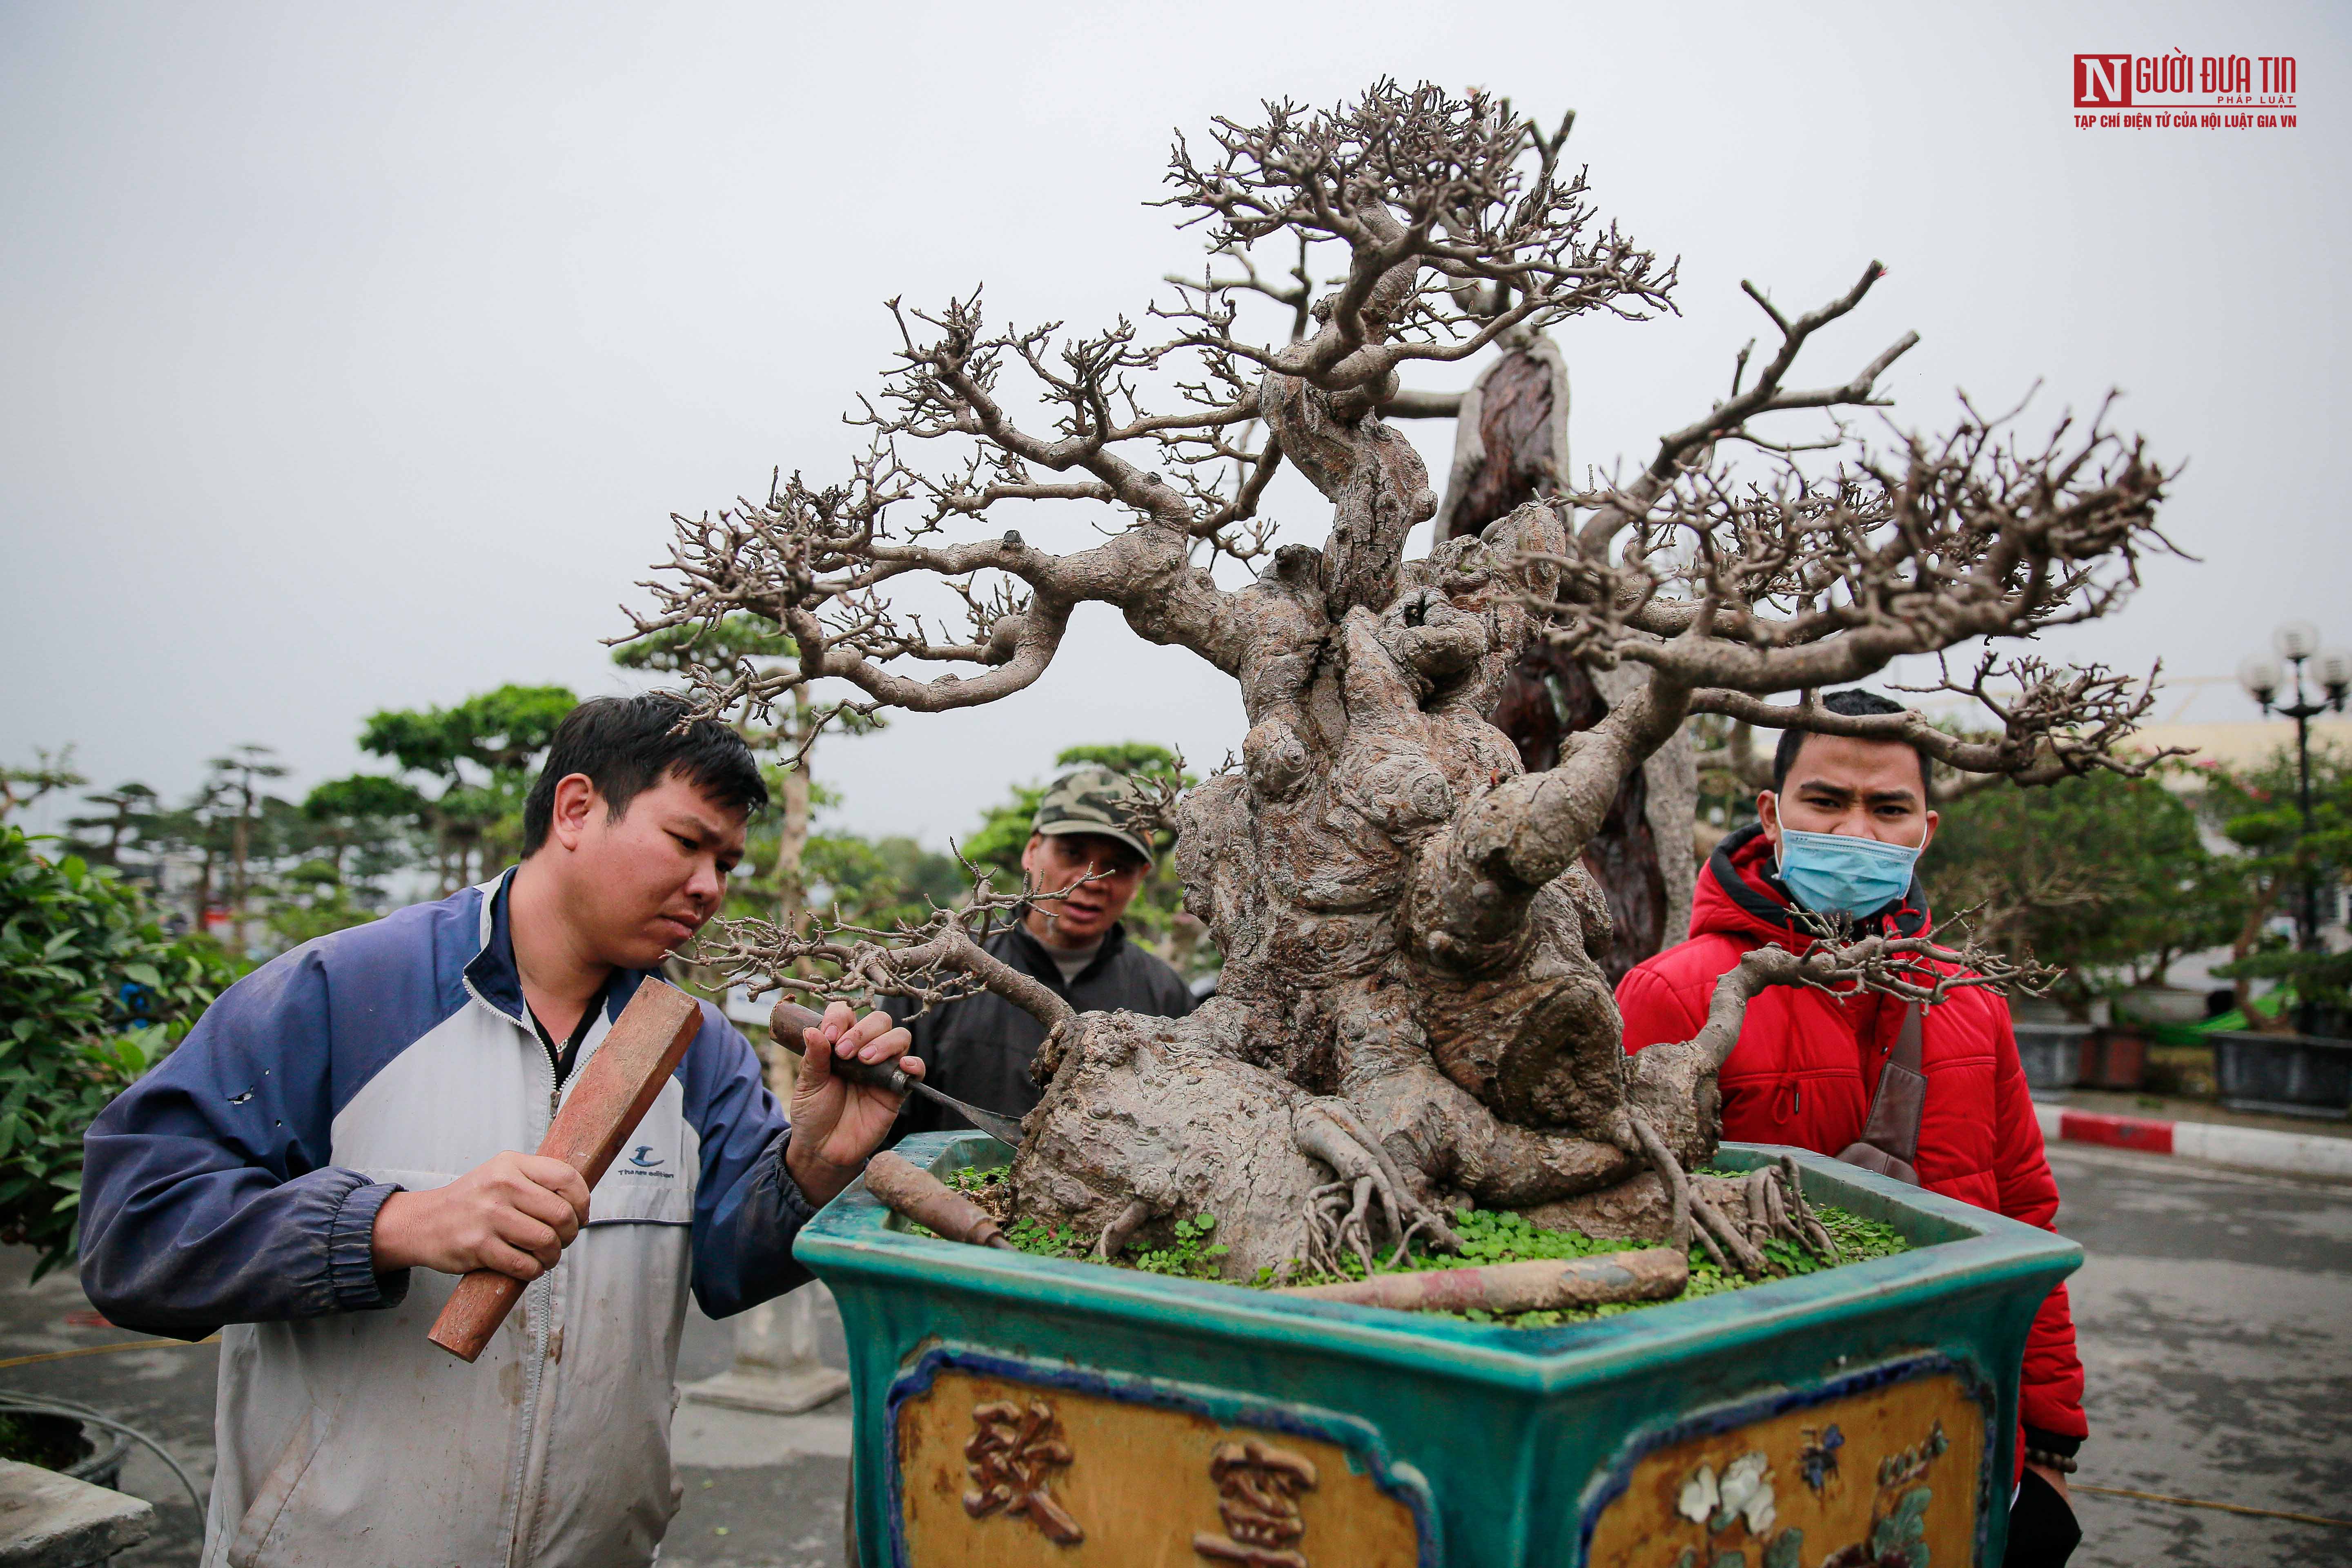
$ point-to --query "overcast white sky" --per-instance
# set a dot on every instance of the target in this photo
(355, 355)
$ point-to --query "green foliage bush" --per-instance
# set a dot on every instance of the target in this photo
(2259, 811)
(92, 993)
(2105, 877)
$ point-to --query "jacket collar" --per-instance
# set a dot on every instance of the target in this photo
(1740, 894)
(492, 975)
(1038, 960)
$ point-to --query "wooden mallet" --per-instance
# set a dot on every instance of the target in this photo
(616, 1088)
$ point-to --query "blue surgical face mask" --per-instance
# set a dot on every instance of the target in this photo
(1836, 873)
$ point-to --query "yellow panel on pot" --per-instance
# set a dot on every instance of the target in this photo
(1810, 1485)
(1004, 1474)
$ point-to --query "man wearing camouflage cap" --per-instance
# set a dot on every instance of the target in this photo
(979, 1048)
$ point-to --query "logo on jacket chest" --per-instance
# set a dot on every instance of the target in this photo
(643, 1161)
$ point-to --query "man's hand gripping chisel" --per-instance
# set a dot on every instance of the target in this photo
(791, 1017)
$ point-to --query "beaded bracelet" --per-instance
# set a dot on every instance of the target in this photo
(2062, 1463)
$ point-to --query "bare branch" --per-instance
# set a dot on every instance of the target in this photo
(1423, 405)
(1800, 582)
(1421, 191)
(1427, 193)
(1912, 968)
(1692, 446)
(2057, 722)
(935, 961)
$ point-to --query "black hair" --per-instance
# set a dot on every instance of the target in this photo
(1851, 703)
(626, 745)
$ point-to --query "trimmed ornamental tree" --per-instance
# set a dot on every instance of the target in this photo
(2102, 877)
(2258, 811)
(21, 786)
(1410, 1016)
(92, 993)
(125, 815)
(479, 756)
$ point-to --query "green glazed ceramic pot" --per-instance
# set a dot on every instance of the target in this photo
(1018, 1410)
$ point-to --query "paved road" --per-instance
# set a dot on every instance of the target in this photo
(2215, 1312)
(2215, 1315)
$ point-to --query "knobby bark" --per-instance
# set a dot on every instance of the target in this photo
(1511, 448)
(1416, 1007)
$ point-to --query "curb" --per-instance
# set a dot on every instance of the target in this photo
(2251, 1148)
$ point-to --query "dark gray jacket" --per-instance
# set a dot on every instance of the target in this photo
(979, 1048)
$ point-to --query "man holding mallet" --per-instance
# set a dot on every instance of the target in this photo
(342, 1135)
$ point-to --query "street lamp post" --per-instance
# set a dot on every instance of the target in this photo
(2298, 644)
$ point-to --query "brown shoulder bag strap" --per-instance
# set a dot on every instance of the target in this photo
(1890, 1139)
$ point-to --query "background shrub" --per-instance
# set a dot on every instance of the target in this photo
(92, 993)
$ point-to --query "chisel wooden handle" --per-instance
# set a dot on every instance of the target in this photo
(912, 1193)
(790, 1016)
(615, 1089)
(881, 1075)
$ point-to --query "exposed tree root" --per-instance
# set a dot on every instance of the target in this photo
(1670, 1170)
(1121, 1230)
(1335, 1228)
(1339, 1220)
(1743, 1252)
(1766, 1205)
(1816, 1235)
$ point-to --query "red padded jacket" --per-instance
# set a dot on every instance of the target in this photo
(1807, 1064)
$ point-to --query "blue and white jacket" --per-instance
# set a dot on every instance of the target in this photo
(238, 1184)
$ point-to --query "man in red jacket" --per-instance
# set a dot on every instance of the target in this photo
(1838, 830)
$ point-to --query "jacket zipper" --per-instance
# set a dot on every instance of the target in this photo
(538, 1309)
(528, 1487)
(542, 1289)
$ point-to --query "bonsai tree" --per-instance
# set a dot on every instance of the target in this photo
(1410, 1016)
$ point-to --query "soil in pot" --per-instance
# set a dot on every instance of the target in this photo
(1193, 1251)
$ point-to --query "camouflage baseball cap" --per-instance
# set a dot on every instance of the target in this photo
(1092, 800)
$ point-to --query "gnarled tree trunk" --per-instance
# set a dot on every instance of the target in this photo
(1510, 446)
(1406, 1003)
